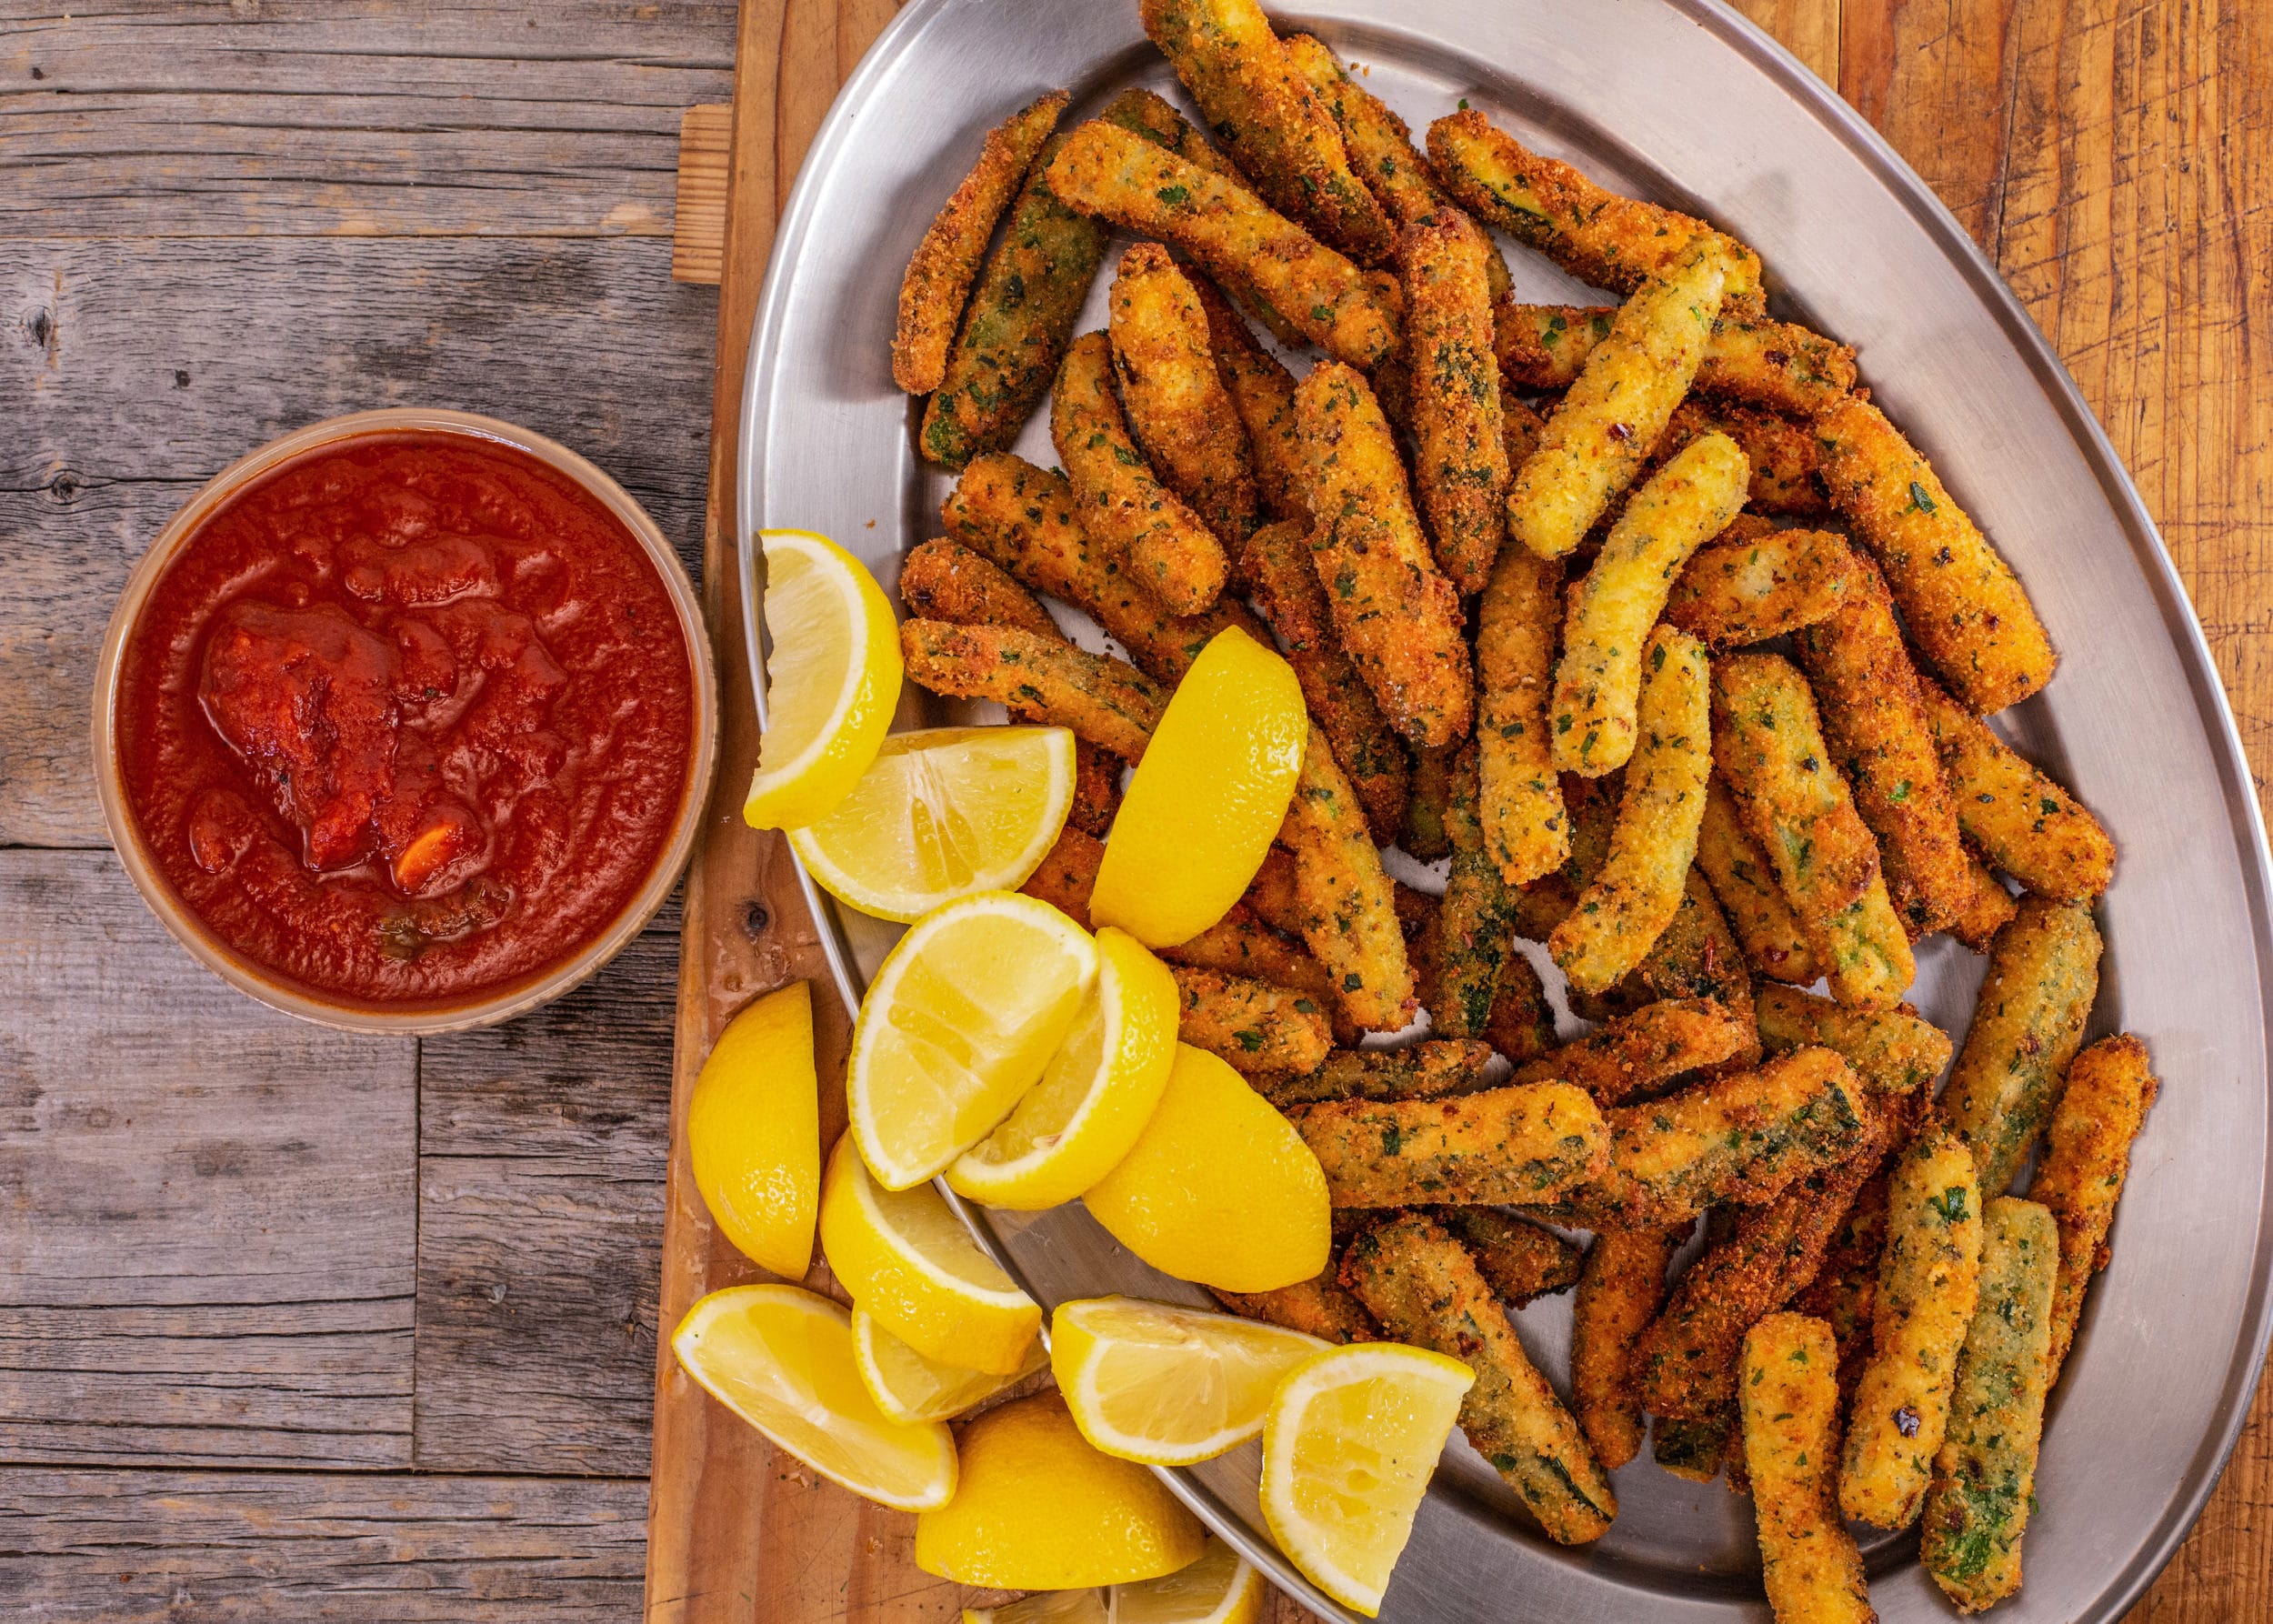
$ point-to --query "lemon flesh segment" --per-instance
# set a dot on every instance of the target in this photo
(1221, 1588)
(1219, 1189)
(754, 1132)
(1096, 1094)
(1206, 801)
(1047, 1607)
(912, 1267)
(943, 814)
(1352, 1439)
(910, 1387)
(781, 1358)
(1038, 1509)
(832, 679)
(961, 1020)
(1165, 1384)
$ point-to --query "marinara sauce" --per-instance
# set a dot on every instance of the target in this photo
(407, 720)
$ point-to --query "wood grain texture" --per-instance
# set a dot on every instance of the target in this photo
(699, 208)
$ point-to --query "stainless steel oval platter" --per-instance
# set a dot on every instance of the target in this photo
(1683, 102)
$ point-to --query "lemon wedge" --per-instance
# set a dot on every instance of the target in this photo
(910, 1264)
(753, 1132)
(1347, 1451)
(907, 1386)
(832, 679)
(1038, 1509)
(781, 1358)
(940, 815)
(1096, 1094)
(1204, 804)
(1221, 1588)
(1164, 1385)
(961, 1020)
(1219, 1188)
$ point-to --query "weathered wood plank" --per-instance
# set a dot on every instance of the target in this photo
(211, 1257)
(1809, 29)
(1936, 80)
(215, 1548)
(542, 1148)
(309, 118)
(131, 378)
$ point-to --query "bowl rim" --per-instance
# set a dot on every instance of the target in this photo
(516, 997)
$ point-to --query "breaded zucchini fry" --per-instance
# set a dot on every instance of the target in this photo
(1748, 358)
(2087, 1157)
(1639, 890)
(1016, 325)
(1069, 874)
(1602, 432)
(1238, 944)
(1476, 925)
(1894, 1051)
(1318, 1307)
(1631, 1054)
(1781, 451)
(1272, 893)
(1262, 393)
(1426, 1289)
(2023, 822)
(1989, 906)
(1126, 179)
(1874, 718)
(1959, 597)
(1427, 792)
(1808, 1561)
(1429, 1069)
(1104, 700)
(939, 275)
(1746, 887)
(1278, 570)
(1348, 915)
(1928, 1280)
(1620, 1288)
(1743, 1137)
(1460, 446)
(1984, 1485)
(1256, 1026)
(1522, 1024)
(1519, 797)
(1521, 1261)
(1527, 1142)
(1697, 956)
(1601, 238)
(1399, 618)
(1175, 396)
(1845, 1290)
(2043, 974)
(1747, 589)
(1768, 747)
(1171, 551)
(1697, 1450)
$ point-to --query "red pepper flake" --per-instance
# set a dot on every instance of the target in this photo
(1777, 357)
(1619, 431)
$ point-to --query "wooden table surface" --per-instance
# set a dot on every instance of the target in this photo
(298, 1326)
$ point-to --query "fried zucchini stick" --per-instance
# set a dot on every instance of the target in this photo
(1744, 1137)
(1631, 1054)
(1424, 1289)
(1427, 791)
(1697, 956)
(1874, 718)
(1104, 700)
(1639, 890)
(1429, 1069)
(1894, 1051)
(1399, 618)
(1748, 358)
(1928, 1277)
(1808, 1561)
(1697, 1450)
(1739, 872)
(1767, 746)
(1460, 446)
(2043, 974)
(1845, 1290)
(1989, 906)
(1016, 325)
(939, 275)
(1519, 802)
(1781, 451)
(1738, 590)
(1620, 1288)
(1262, 393)
(1521, 1261)
(1272, 893)
(1253, 1024)
(1068, 873)
(2023, 822)
(1612, 415)
(1475, 924)
(1959, 597)
(1123, 178)
(1318, 1307)
(1278, 570)
(2087, 1157)
(1120, 500)
(1348, 914)
(1521, 1025)
(1983, 1485)
(1601, 238)
(1525, 1142)
(1175, 396)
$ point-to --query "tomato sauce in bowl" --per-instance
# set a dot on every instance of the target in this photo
(407, 720)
